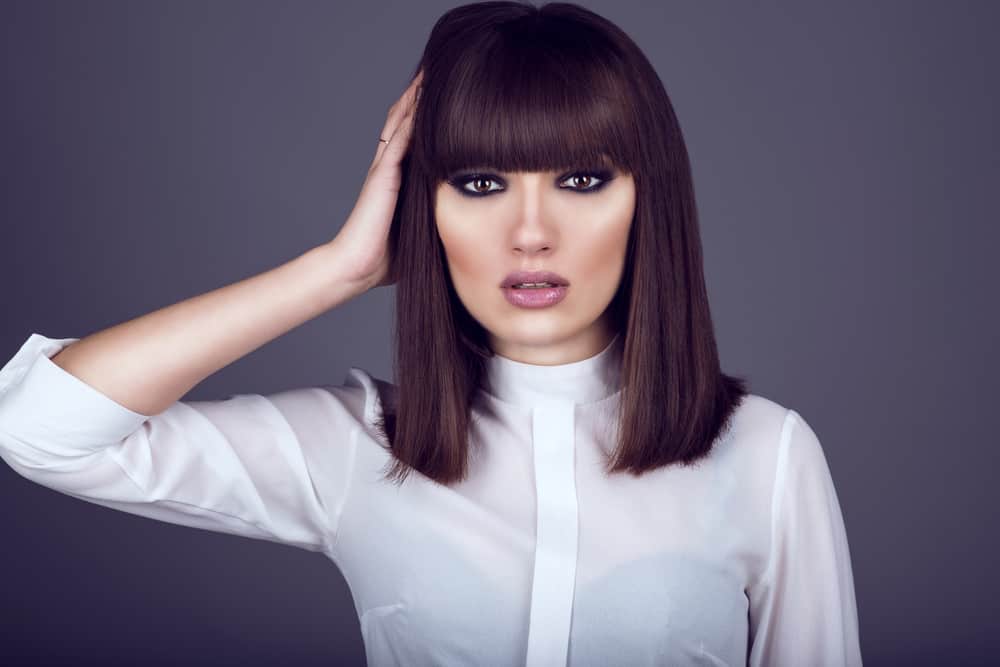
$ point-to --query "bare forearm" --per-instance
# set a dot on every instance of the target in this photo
(149, 362)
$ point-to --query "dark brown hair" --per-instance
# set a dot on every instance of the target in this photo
(525, 88)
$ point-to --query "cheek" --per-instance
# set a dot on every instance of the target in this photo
(456, 244)
(464, 250)
(603, 254)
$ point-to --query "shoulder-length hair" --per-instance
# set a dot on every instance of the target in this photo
(525, 88)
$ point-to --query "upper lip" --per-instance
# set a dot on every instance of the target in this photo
(516, 277)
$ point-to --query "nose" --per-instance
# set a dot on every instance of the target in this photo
(533, 231)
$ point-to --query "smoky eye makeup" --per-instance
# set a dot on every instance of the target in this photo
(464, 182)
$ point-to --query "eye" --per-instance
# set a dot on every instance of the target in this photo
(587, 178)
(480, 184)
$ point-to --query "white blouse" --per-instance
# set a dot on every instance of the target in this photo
(537, 558)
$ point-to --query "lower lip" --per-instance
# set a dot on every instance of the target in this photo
(535, 297)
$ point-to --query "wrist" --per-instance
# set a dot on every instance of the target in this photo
(333, 284)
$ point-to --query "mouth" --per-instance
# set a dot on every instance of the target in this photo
(529, 280)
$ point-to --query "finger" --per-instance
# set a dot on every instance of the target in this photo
(392, 152)
(397, 112)
(400, 106)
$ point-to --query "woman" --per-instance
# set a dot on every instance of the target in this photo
(573, 478)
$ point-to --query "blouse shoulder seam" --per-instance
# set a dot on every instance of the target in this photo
(365, 382)
(777, 492)
(334, 544)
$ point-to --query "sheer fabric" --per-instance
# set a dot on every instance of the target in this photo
(538, 558)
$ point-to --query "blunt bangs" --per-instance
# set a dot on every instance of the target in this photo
(537, 93)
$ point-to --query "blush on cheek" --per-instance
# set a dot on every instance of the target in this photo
(461, 261)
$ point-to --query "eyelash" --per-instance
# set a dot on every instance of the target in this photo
(459, 182)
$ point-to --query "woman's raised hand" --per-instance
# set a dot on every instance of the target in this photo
(363, 241)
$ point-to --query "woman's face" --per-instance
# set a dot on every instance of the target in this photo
(575, 224)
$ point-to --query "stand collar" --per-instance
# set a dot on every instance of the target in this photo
(584, 381)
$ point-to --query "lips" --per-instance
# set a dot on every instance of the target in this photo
(516, 277)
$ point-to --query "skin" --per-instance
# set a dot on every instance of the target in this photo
(538, 221)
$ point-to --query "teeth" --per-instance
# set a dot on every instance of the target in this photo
(529, 285)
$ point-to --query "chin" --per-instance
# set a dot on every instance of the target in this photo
(533, 335)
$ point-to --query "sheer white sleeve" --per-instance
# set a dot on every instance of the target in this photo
(273, 467)
(803, 609)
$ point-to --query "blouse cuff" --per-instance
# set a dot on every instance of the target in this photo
(41, 402)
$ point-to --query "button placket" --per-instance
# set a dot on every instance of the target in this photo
(556, 534)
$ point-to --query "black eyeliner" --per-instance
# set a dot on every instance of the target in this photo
(460, 180)
(605, 175)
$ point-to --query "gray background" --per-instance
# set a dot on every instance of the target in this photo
(844, 155)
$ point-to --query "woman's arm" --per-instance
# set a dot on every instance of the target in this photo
(105, 423)
(149, 362)
(101, 419)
